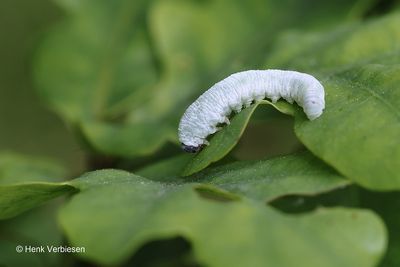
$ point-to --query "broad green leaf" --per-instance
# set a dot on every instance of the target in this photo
(358, 133)
(265, 180)
(129, 211)
(224, 140)
(261, 180)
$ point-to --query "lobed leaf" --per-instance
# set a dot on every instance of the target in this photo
(129, 211)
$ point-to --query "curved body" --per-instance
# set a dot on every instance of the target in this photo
(241, 89)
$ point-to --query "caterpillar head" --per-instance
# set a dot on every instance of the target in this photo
(314, 108)
(191, 149)
(314, 103)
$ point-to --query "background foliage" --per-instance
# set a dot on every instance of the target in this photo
(272, 189)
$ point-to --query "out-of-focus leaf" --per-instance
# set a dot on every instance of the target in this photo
(15, 199)
(35, 228)
(93, 61)
(17, 194)
(330, 51)
(129, 211)
(26, 182)
(134, 139)
(386, 205)
(16, 168)
(224, 141)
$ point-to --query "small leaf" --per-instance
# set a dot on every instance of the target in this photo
(224, 140)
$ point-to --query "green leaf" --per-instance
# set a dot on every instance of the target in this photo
(85, 64)
(305, 175)
(22, 187)
(35, 228)
(261, 180)
(92, 63)
(359, 67)
(359, 130)
(265, 180)
(224, 140)
(15, 199)
(129, 211)
(349, 45)
(16, 168)
(170, 168)
(23, 183)
(111, 138)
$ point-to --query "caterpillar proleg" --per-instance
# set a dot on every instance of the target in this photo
(242, 89)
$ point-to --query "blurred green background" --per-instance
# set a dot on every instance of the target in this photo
(27, 125)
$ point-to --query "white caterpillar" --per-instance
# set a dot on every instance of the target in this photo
(241, 89)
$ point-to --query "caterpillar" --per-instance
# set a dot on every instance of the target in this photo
(241, 89)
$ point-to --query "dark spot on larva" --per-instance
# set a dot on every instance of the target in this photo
(191, 149)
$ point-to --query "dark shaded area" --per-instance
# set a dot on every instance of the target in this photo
(387, 206)
(294, 204)
(175, 252)
(380, 7)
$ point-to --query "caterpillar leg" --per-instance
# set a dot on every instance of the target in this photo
(274, 99)
(226, 121)
(248, 103)
(215, 129)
